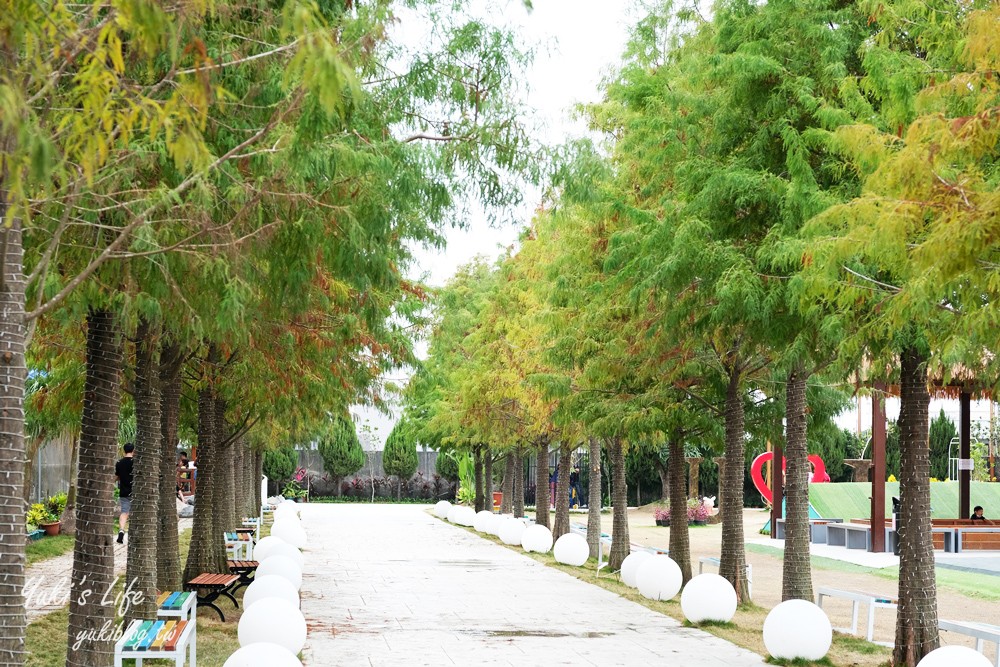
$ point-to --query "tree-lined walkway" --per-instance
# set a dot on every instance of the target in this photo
(391, 585)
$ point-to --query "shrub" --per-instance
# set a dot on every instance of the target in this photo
(340, 448)
(279, 464)
(661, 513)
(446, 466)
(699, 509)
(399, 457)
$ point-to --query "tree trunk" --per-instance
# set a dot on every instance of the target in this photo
(796, 579)
(31, 447)
(224, 508)
(207, 551)
(258, 475)
(664, 473)
(518, 503)
(239, 486)
(477, 464)
(140, 571)
(168, 559)
(680, 540)
(487, 478)
(621, 547)
(917, 617)
(594, 499)
(93, 554)
(68, 518)
(12, 374)
(561, 526)
(542, 482)
(733, 560)
(507, 488)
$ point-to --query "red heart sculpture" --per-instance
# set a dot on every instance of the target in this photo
(756, 469)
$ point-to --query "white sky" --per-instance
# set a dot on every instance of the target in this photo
(578, 41)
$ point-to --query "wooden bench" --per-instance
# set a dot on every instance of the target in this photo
(857, 599)
(717, 562)
(216, 585)
(979, 538)
(850, 535)
(979, 631)
(161, 639)
(181, 605)
(245, 570)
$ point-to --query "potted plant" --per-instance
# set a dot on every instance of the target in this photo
(698, 512)
(294, 491)
(662, 515)
(43, 516)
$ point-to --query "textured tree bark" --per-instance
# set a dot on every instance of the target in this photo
(733, 555)
(487, 478)
(168, 559)
(477, 464)
(207, 550)
(561, 526)
(140, 571)
(258, 475)
(663, 470)
(68, 518)
(720, 462)
(694, 462)
(507, 488)
(93, 554)
(680, 540)
(594, 499)
(796, 581)
(542, 482)
(224, 506)
(917, 617)
(12, 464)
(620, 542)
(518, 504)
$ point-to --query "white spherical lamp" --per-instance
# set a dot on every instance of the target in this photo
(270, 586)
(264, 547)
(283, 549)
(536, 538)
(659, 578)
(511, 531)
(484, 521)
(454, 512)
(260, 654)
(952, 656)
(274, 621)
(630, 566)
(467, 517)
(495, 528)
(709, 597)
(571, 549)
(797, 629)
(283, 566)
(294, 535)
(441, 509)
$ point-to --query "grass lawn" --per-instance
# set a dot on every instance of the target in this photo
(46, 639)
(745, 630)
(48, 547)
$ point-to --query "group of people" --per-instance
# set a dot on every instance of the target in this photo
(575, 495)
(123, 475)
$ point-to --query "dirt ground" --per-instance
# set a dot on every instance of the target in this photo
(706, 541)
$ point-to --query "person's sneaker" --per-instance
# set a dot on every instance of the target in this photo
(121, 537)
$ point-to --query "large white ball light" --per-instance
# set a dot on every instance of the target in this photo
(441, 509)
(283, 549)
(283, 566)
(797, 629)
(294, 535)
(709, 597)
(571, 549)
(537, 538)
(467, 517)
(454, 512)
(511, 531)
(260, 654)
(659, 578)
(484, 521)
(270, 586)
(952, 656)
(274, 621)
(495, 528)
(266, 544)
(630, 566)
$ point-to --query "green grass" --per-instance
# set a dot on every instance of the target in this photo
(46, 637)
(970, 584)
(48, 547)
(850, 500)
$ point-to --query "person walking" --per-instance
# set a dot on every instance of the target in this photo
(123, 473)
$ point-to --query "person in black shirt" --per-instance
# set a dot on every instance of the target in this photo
(977, 513)
(123, 473)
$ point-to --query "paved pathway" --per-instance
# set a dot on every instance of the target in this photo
(391, 585)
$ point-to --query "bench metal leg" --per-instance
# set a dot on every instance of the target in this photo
(230, 596)
(211, 605)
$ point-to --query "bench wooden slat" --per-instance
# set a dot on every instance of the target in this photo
(171, 602)
(150, 637)
(161, 636)
(138, 635)
(170, 644)
(162, 598)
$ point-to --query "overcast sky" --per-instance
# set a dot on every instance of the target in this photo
(577, 42)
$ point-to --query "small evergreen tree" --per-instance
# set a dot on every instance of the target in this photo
(341, 450)
(400, 455)
(279, 464)
(446, 466)
(941, 433)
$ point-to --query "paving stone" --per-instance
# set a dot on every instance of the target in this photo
(392, 585)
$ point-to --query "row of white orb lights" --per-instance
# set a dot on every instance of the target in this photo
(794, 629)
(272, 629)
